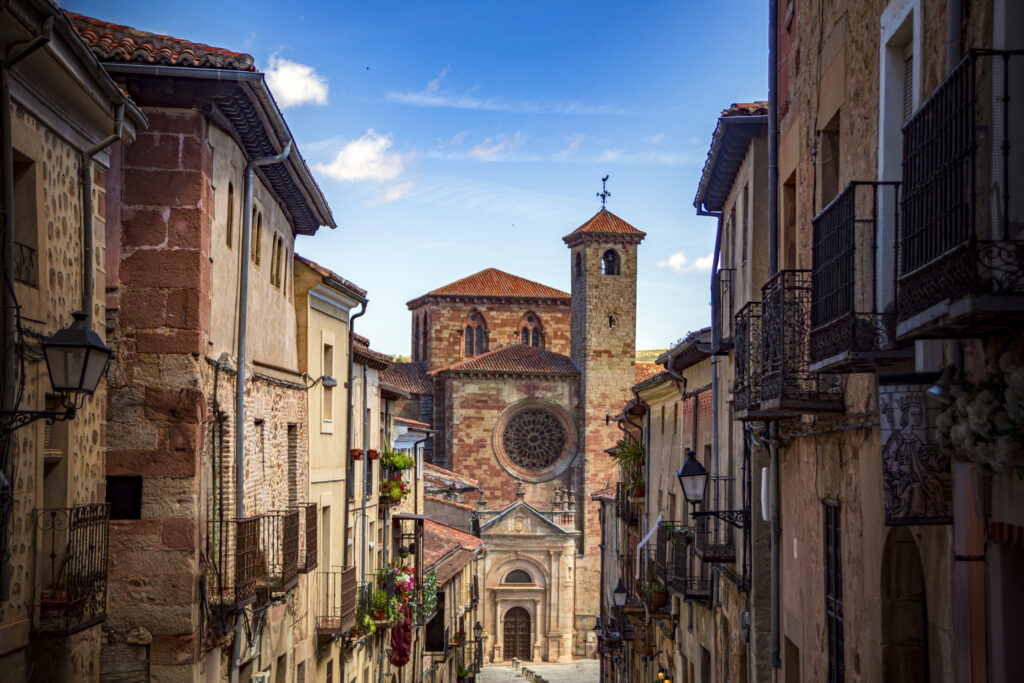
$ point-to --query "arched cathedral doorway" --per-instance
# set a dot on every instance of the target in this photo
(904, 613)
(517, 634)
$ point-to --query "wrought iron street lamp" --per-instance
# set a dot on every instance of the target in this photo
(693, 479)
(76, 359)
(478, 632)
(619, 594)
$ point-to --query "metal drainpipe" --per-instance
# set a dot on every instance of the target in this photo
(85, 180)
(348, 442)
(773, 266)
(240, 374)
(714, 357)
(10, 362)
(366, 467)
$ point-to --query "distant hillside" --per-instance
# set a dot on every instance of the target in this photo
(649, 354)
(402, 359)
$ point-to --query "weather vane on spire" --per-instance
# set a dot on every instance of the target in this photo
(604, 194)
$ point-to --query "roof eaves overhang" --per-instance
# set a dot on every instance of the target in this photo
(470, 298)
(729, 145)
(244, 106)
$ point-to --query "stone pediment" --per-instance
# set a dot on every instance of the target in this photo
(521, 518)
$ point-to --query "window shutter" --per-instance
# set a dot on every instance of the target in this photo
(908, 85)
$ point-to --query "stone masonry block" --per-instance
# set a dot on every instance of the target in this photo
(162, 188)
(161, 268)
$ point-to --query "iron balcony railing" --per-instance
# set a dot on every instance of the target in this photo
(853, 280)
(627, 509)
(72, 561)
(25, 265)
(722, 314)
(714, 537)
(234, 563)
(962, 230)
(279, 547)
(788, 386)
(308, 551)
(746, 388)
(691, 577)
(336, 601)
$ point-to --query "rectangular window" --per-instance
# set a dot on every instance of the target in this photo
(26, 236)
(230, 224)
(745, 209)
(125, 497)
(328, 392)
(293, 464)
(788, 242)
(368, 466)
(828, 162)
(834, 593)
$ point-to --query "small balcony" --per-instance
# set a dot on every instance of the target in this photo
(72, 568)
(853, 282)
(234, 562)
(628, 509)
(691, 577)
(714, 537)
(788, 386)
(746, 388)
(961, 241)
(279, 549)
(722, 311)
(308, 519)
(336, 601)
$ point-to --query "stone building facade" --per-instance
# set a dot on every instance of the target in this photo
(62, 115)
(190, 552)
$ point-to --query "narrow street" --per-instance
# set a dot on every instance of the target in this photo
(577, 672)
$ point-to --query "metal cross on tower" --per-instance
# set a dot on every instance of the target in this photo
(604, 194)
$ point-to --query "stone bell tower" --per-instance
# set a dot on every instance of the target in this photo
(603, 258)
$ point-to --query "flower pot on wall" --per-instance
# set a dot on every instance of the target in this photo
(357, 453)
(372, 454)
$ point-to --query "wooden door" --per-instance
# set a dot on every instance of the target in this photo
(517, 634)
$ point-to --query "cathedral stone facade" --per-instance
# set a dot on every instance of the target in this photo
(518, 379)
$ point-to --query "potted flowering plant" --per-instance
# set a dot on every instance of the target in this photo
(393, 491)
(462, 674)
(403, 551)
(396, 461)
(458, 638)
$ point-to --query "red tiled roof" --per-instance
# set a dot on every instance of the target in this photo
(607, 493)
(364, 355)
(644, 370)
(605, 222)
(411, 423)
(445, 501)
(334, 277)
(117, 43)
(495, 283)
(515, 359)
(435, 472)
(441, 539)
(408, 376)
(361, 340)
(736, 126)
(746, 109)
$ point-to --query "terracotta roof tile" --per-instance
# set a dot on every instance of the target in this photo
(117, 43)
(515, 359)
(409, 376)
(361, 340)
(607, 493)
(445, 501)
(495, 283)
(328, 274)
(644, 370)
(364, 355)
(604, 222)
(441, 539)
(746, 109)
(411, 423)
(733, 132)
(434, 472)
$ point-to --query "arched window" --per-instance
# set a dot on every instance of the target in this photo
(256, 248)
(231, 215)
(518, 576)
(475, 334)
(610, 263)
(579, 264)
(274, 261)
(531, 331)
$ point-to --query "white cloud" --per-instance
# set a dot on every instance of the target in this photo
(680, 263)
(367, 158)
(294, 84)
(491, 147)
(431, 96)
(393, 193)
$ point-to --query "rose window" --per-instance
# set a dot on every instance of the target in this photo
(534, 438)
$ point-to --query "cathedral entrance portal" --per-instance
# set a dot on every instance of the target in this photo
(517, 634)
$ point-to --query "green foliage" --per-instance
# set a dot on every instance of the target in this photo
(396, 460)
(430, 592)
(649, 355)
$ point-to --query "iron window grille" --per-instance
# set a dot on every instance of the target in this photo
(308, 552)
(279, 548)
(788, 386)
(336, 601)
(233, 561)
(834, 594)
(853, 280)
(963, 190)
(746, 387)
(72, 557)
(714, 538)
(722, 311)
(25, 265)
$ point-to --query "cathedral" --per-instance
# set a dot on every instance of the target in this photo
(518, 380)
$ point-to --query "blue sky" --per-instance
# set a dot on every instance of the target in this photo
(452, 136)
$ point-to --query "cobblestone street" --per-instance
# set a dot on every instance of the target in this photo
(577, 672)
